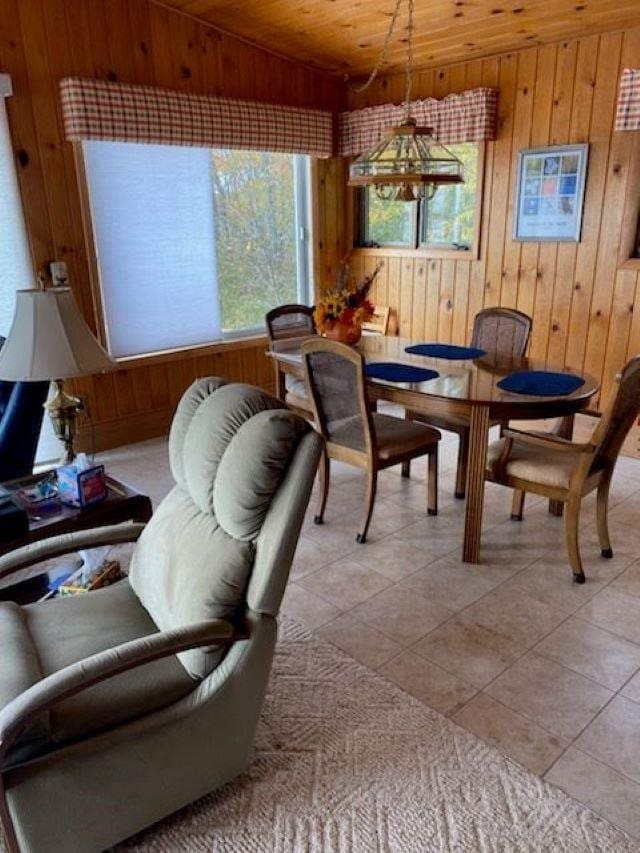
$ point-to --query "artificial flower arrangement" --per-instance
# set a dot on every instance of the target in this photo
(340, 313)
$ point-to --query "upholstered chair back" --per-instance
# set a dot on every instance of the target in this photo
(287, 322)
(501, 331)
(619, 416)
(234, 511)
(335, 377)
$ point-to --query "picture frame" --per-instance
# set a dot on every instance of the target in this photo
(550, 193)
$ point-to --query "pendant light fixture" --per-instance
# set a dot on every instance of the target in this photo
(408, 163)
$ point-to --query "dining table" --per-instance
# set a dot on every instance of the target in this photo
(465, 388)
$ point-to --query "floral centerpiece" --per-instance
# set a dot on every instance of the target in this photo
(340, 313)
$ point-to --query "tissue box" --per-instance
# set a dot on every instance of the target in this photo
(81, 488)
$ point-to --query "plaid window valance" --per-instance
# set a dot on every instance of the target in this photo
(628, 109)
(468, 117)
(122, 112)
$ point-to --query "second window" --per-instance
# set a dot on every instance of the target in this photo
(446, 221)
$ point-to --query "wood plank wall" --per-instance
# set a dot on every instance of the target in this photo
(135, 41)
(585, 305)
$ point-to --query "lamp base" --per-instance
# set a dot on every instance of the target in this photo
(63, 409)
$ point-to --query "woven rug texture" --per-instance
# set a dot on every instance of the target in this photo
(348, 763)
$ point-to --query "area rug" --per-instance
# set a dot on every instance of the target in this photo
(348, 763)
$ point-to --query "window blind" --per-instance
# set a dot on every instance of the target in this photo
(16, 271)
(153, 218)
(15, 262)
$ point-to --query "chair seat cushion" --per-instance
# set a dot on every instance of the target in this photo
(66, 630)
(296, 393)
(536, 464)
(395, 437)
(295, 386)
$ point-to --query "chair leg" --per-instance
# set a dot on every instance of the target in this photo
(372, 482)
(325, 472)
(432, 482)
(405, 468)
(556, 508)
(463, 460)
(571, 525)
(564, 428)
(517, 505)
(602, 509)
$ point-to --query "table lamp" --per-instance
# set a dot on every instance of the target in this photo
(49, 340)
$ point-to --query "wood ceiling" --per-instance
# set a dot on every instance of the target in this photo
(345, 36)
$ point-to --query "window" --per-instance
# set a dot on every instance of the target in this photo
(15, 263)
(193, 244)
(447, 221)
(16, 271)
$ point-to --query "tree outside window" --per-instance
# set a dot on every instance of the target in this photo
(254, 197)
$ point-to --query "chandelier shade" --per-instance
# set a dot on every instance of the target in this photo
(406, 165)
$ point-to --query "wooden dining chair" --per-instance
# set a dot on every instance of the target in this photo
(353, 433)
(501, 331)
(497, 331)
(286, 325)
(567, 471)
(379, 323)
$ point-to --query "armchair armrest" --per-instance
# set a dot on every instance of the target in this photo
(549, 441)
(79, 676)
(56, 546)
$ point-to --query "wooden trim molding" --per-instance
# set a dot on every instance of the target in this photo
(168, 356)
(420, 252)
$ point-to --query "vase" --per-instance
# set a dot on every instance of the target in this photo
(344, 334)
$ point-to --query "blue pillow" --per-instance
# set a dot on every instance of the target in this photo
(540, 383)
(392, 371)
(445, 351)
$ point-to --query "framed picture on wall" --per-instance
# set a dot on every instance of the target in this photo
(550, 193)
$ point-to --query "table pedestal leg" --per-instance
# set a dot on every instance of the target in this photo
(478, 438)
(564, 430)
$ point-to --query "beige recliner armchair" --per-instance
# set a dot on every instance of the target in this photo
(125, 704)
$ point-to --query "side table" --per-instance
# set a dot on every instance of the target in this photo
(123, 503)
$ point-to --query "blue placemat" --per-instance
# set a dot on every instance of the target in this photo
(445, 351)
(394, 372)
(540, 383)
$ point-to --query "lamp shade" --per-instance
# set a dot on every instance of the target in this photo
(49, 339)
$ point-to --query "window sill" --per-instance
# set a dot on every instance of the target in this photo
(183, 353)
(421, 252)
(630, 264)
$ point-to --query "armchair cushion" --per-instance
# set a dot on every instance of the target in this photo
(21, 667)
(199, 391)
(66, 630)
(252, 469)
(186, 569)
(193, 561)
(212, 427)
(535, 464)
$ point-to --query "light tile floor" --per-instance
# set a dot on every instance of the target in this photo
(512, 649)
